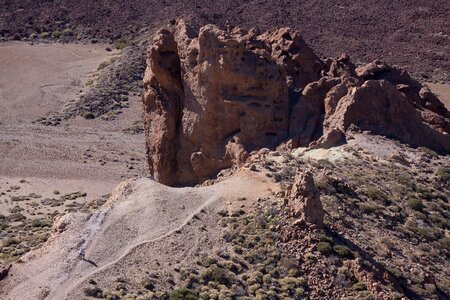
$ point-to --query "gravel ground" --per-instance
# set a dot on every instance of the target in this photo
(412, 34)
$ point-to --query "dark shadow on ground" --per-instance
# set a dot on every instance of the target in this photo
(400, 284)
(90, 262)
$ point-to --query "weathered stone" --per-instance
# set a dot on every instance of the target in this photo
(377, 106)
(214, 96)
(305, 200)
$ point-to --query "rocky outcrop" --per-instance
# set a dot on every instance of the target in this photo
(381, 108)
(213, 96)
(4, 272)
(305, 200)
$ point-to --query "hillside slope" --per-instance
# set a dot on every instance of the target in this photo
(144, 226)
(385, 235)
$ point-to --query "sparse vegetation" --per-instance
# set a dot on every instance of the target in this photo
(428, 152)
(122, 43)
(343, 251)
(416, 204)
(44, 35)
(57, 34)
(324, 248)
(443, 174)
(88, 115)
(183, 294)
(95, 292)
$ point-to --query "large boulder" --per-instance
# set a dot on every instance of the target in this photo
(212, 96)
(377, 106)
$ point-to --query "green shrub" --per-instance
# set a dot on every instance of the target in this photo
(324, 248)
(208, 261)
(324, 185)
(443, 174)
(428, 152)
(443, 243)
(218, 275)
(93, 292)
(40, 223)
(10, 242)
(122, 44)
(88, 115)
(416, 204)
(343, 251)
(44, 35)
(324, 238)
(68, 32)
(375, 194)
(359, 286)
(183, 294)
(369, 208)
(57, 34)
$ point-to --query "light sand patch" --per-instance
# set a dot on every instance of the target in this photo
(38, 79)
(442, 91)
(88, 156)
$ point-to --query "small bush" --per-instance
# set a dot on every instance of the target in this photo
(44, 35)
(93, 292)
(324, 248)
(68, 32)
(102, 65)
(10, 242)
(359, 286)
(443, 243)
(40, 223)
(183, 294)
(88, 115)
(218, 275)
(324, 185)
(208, 261)
(416, 204)
(428, 152)
(324, 238)
(443, 174)
(369, 208)
(343, 251)
(375, 194)
(57, 34)
(89, 82)
(122, 43)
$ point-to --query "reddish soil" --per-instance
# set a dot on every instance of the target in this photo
(413, 34)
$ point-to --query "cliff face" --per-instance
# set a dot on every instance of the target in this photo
(213, 96)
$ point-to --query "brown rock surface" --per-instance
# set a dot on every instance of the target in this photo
(213, 96)
(379, 107)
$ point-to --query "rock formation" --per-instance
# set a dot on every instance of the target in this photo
(213, 96)
(306, 203)
(4, 272)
